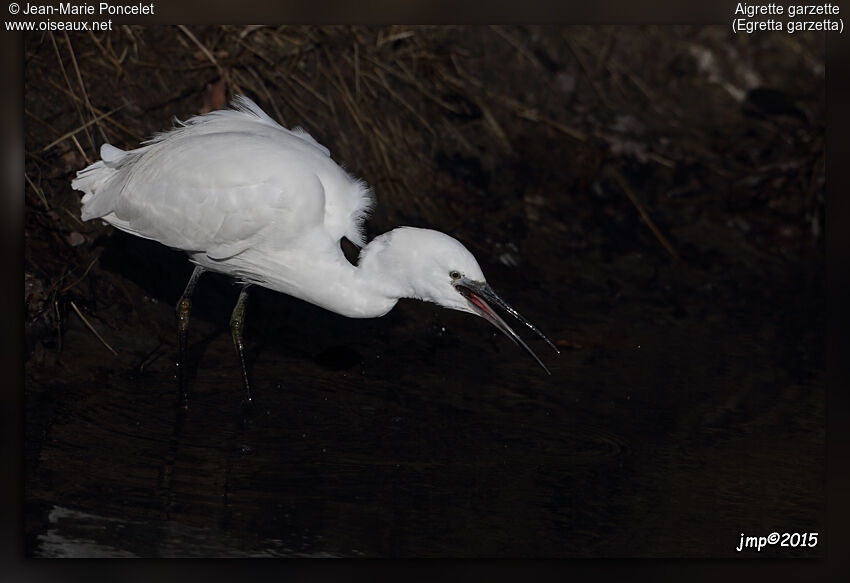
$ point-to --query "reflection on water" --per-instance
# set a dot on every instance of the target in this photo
(79, 534)
(439, 439)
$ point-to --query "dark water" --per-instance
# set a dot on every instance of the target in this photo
(684, 410)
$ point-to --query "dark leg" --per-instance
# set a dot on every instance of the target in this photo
(237, 321)
(184, 306)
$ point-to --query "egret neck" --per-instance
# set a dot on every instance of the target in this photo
(323, 277)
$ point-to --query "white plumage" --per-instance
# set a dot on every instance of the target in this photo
(219, 181)
(244, 196)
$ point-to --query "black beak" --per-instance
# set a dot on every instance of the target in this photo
(479, 293)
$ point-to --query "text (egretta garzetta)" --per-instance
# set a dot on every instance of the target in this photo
(244, 196)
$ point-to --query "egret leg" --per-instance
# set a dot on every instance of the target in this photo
(184, 307)
(237, 321)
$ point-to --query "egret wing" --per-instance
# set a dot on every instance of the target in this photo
(224, 182)
(218, 193)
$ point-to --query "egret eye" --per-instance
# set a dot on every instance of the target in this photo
(454, 274)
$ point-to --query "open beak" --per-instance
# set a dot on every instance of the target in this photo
(479, 293)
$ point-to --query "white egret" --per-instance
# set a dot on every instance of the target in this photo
(244, 196)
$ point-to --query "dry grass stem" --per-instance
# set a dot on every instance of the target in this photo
(83, 85)
(90, 327)
(109, 56)
(93, 121)
(311, 90)
(81, 278)
(71, 90)
(644, 214)
(200, 45)
(520, 48)
(404, 103)
(587, 73)
(97, 111)
(38, 191)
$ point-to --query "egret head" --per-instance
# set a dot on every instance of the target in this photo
(434, 267)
